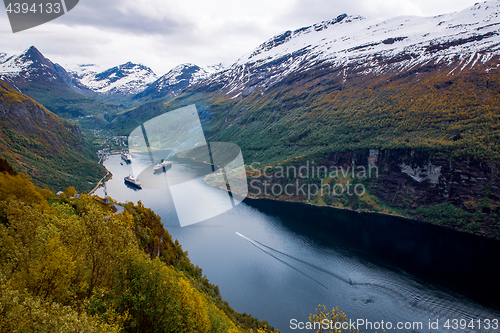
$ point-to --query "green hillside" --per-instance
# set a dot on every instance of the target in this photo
(66, 102)
(318, 112)
(49, 149)
(328, 116)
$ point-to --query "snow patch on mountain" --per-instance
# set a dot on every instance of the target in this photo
(12, 65)
(125, 79)
(370, 46)
(82, 69)
(212, 69)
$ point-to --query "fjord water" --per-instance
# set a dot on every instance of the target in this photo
(279, 260)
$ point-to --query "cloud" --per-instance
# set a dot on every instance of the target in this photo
(129, 17)
(307, 12)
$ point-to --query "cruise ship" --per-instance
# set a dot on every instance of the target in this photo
(126, 157)
(162, 167)
(130, 180)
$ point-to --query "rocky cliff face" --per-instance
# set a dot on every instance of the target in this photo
(405, 182)
(414, 179)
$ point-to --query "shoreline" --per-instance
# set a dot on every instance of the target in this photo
(316, 205)
(406, 219)
(108, 173)
(368, 212)
(339, 208)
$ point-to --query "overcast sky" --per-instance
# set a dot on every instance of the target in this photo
(164, 33)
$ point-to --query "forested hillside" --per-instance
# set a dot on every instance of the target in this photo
(51, 150)
(75, 265)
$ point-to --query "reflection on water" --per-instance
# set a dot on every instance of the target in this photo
(278, 260)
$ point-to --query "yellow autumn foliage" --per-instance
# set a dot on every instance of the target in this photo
(74, 265)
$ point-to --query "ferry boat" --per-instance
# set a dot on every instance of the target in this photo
(126, 157)
(162, 167)
(130, 180)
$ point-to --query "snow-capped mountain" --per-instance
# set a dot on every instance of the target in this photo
(125, 79)
(353, 45)
(177, 80)
(32, 66)
(359, 45)
(128, 79)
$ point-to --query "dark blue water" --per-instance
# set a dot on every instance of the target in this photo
(279, 260)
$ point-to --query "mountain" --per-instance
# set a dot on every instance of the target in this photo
(126, 79)
(90, 95)
(416, 97)
(38, 143)
(50, 84)
(174, 82)
(360, 46)
(32, 66)
(151, 100)
(351, 82)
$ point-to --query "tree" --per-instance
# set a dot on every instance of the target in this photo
(23, 313)
(157, 298)
(70, 191)
(331, 319)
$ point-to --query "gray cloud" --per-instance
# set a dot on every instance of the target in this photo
(128, 18)
(307, 12)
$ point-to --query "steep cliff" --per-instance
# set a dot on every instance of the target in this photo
(458, 193)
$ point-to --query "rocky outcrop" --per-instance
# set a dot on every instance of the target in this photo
(410, 179)
(403, 182)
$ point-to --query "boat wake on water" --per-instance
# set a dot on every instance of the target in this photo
(430, 302)
(260, 247)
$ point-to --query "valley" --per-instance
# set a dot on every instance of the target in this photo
(372, 157)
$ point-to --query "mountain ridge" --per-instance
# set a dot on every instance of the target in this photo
(86, 90)
(50, 84)
(367, 46)
(439, 99)
(32, 66)
(125, 79)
